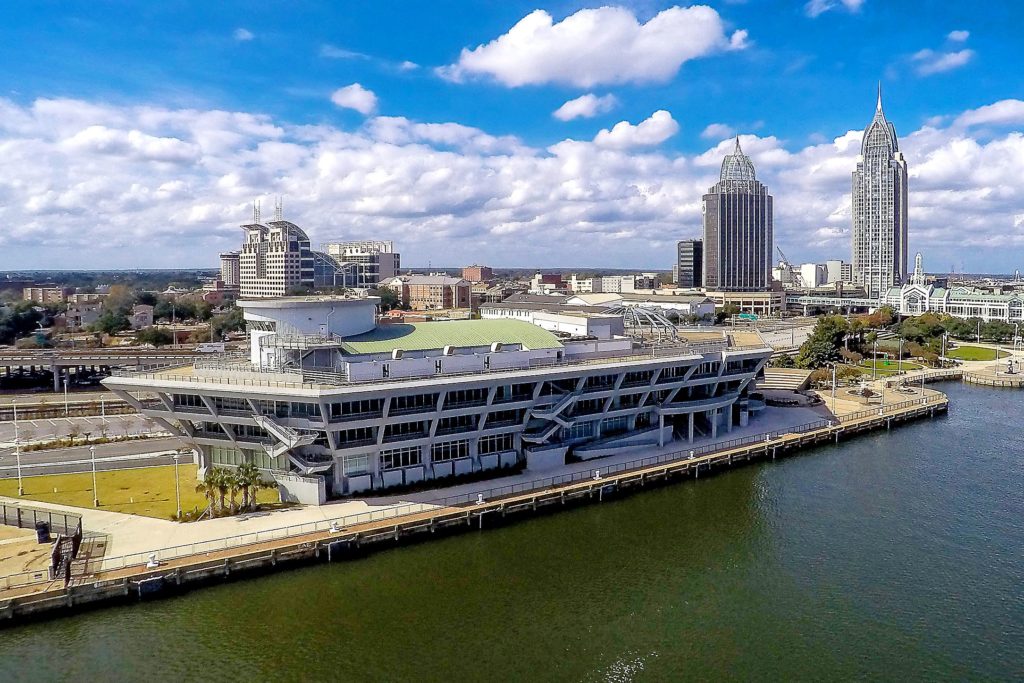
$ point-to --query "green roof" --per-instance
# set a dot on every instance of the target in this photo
(457, 333)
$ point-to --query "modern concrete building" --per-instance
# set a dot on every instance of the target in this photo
(275, 260)
(85, 298)
(689, 270)
(230, 273)
(477, 273)
(879, 209)
(813, 275)
(838, 271)
(765, 304)
(331, 404)
(738, 229)
(362, 264)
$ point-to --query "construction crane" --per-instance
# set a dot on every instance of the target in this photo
(795, 278)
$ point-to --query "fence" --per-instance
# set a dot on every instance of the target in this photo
(25, 517)
(503, 491)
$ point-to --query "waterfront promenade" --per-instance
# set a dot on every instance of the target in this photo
(227, 544)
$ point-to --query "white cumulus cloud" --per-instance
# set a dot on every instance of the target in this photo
(814, 8)
(355, 97)
(959, 36)
(148, 186)
(717, 130)
(933, 62)
(660, 126)
(597, 46)
(243, 35)
(586, 107)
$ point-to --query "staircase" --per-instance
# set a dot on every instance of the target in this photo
(289, 439)
(784, 378)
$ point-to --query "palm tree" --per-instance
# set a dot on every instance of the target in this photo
(218, 479)
(207, 488)
(249, 481)
(231, 480)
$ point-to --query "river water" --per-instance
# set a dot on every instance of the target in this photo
(896, 555)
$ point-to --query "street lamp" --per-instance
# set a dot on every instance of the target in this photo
(65, 394)
(17, 446)
(95, 493)
(874, 361)
(899, 361)
(177, 490)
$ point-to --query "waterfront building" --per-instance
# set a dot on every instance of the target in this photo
(690, 264)
(230, 273)
(879, 209)
(738, 229)
(920, 296)
(330, 403)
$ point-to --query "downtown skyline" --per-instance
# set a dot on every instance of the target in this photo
(462, 150)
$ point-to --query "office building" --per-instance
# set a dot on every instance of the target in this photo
(275, 260)
(230, 274)
(879, 209)
(689, 271)
(737, 229)
(331, 404)
(838, 271)
(362, 264)
(47, 294)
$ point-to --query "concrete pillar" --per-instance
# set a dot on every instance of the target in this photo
(728, 418)
(661, 430)
(714, 422)
(56, 377)
(689, 438)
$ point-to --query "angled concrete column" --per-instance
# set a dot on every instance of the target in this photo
(661, 430)
(690, 437)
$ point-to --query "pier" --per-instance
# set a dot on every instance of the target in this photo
(142, 576)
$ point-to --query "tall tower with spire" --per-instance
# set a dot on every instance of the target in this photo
(738, 229)
(880, 209)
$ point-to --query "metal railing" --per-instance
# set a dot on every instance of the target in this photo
(312, 378)
(497, 492)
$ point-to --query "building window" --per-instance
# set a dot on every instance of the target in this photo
(495, 443)
(396, 458)
(449, 450)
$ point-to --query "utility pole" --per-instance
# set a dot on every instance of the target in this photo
(17, 446)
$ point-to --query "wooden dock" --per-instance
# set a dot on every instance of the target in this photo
(182, 573)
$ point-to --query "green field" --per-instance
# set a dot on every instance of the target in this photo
(974, 353)
(146, 491)
(888, 367)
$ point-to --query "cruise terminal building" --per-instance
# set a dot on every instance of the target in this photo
(335, 403)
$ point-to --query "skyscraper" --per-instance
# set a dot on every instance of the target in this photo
(689, 263)
(879, 209)
(737, 229)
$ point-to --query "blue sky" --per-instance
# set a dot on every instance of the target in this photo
(792, 77)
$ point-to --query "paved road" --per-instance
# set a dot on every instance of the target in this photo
(110, 456)
(56, 427)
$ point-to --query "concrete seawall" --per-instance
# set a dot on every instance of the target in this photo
(182, 574)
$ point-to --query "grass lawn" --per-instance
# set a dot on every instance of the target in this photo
(151, 489)
(889, 367)
(974, 353)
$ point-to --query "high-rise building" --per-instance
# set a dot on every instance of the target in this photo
(276, 260)
(690, 263)
(229, 269)
(738, 230)
(879, 209)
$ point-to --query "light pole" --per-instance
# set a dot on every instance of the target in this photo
(833, 387)
(874, 361)
(17, 446)
(95, 493)
(177, 490)
(899, 361)
(945, 336)
(979, 330)
(65, 394)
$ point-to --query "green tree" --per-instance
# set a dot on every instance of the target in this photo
(822, 347)
(111, 322)
(155, 336)
(249, 481)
